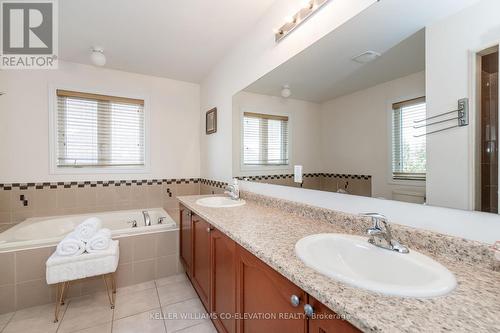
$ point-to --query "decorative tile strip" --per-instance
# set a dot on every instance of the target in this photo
(306, 175)
(100, 183)
(213, 183)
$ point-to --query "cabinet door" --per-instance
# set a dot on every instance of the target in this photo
(201, 259)
(325, 320)
(264, 298)
(186, 244)
(223, 281)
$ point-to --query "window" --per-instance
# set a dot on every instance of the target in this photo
(99, 131)
(408, 142)
(265, 139)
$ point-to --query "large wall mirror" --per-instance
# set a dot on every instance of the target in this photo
(379, 115)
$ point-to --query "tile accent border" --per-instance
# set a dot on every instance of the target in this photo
(213, 183)
(103, 183)
(306, 175)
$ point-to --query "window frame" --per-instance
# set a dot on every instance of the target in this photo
(390, 132)
(55, 170)
(255, 168)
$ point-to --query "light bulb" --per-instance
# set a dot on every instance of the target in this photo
(286, 92)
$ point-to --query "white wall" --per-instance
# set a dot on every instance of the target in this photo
(449, 44)
(304, 134)
(355, 132)
(254, 56)
(24, 121)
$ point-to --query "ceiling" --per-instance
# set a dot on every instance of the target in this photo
(180, 40)
(394, 28)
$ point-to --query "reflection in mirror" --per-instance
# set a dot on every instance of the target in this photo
(353, 117)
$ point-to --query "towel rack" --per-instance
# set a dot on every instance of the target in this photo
(462, 118)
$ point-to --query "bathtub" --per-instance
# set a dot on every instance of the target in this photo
(48, 231)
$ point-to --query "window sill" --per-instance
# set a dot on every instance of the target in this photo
(407, 182)
(99, 170)
(264, 168)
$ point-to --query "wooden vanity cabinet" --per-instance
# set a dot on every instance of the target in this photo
(231, 280)
(186, 243)
(263, 291)
(325, 320)
(223, 281)
(201, 258)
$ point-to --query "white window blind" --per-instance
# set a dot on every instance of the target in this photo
(265, 139)
(99, 131)
(408, 148)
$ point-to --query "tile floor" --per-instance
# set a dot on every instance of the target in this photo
(161, 306)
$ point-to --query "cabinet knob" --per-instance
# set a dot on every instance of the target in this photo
(209, 229)
(308, 310)
(295, 300)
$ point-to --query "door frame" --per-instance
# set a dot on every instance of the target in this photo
(474, 107)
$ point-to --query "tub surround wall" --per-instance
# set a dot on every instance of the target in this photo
(358, 184)
(212, 186)
(19, 201)
(142, 258)
(473, 306)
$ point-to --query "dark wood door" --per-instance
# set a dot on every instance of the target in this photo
(325, 320)
(201, 259)
(264, 298)
(223, 281)
(185, 235)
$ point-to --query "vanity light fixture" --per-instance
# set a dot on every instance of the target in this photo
(97, 56)
(293, 21)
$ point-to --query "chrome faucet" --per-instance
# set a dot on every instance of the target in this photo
(147, 219)
(381, 238)
(233, 190)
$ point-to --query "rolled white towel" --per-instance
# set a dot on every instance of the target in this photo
(71, 245)
(88, 228)
(99, 242)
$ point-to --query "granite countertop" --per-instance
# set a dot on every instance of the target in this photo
(271, 233)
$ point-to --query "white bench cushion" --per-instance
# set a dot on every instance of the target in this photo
(69, 268)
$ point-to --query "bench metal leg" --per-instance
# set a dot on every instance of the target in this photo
(110, 290)
(60, 292)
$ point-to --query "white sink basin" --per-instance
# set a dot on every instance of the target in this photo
(220, 202)
(354, 261)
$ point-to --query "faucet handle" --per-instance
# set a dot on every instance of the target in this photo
(376, 219)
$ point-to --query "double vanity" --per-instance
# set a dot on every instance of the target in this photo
(268, 265)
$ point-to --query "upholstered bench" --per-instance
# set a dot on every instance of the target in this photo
(62, 270)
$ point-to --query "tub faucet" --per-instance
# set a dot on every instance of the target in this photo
(147, 219)
(381, 238)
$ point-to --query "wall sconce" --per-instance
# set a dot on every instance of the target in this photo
(293, 21)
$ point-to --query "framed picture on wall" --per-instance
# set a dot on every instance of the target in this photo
(211, 121)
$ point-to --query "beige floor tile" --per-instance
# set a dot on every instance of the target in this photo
(136, 287)
(142, 322)
(171, 279)
(37, 319)
(205, 327)
(137, 302)
(103, 328)
(176, 292)
(86, 311)
(4, 319)
(45, 311)
(184, 314)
